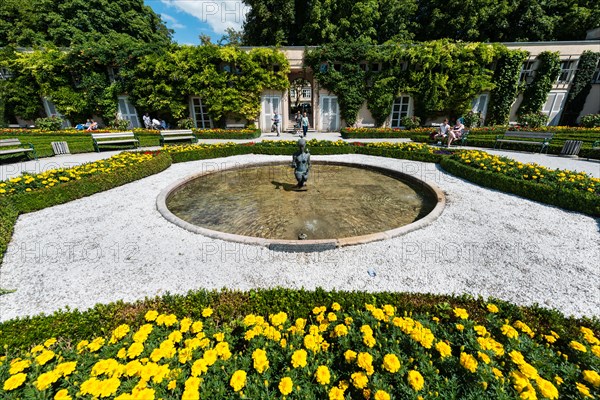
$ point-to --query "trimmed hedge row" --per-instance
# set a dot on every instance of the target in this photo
(227, 134)
(8, 219)
(74, 325)
(586, 203)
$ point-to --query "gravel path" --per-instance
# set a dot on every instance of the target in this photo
(116, 246)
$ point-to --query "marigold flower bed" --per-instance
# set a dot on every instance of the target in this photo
(372, 353)
(30, 182)
(529, 172)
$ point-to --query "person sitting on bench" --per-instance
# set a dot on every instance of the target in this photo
(442, 131)
(455, 132)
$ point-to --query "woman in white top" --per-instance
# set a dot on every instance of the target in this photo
(455, 132)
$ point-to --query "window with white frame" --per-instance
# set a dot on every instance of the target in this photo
(306, 93)
(293, 93)
(596, 76)
(128, 112)
(51, 111)
(400, 108)
(479, 104)
(527, 70)
(5, 73)
(567, 71)
(200, 114)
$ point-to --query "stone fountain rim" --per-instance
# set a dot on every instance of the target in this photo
(305, 245)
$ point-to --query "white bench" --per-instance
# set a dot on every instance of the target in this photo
(235, 126)
(366, 125)
(177, 135)
(16, 142)
(110, 139)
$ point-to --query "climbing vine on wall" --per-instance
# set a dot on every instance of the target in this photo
(441, 76)
(228, 79)
(536, 93)
(580, 88)
(506, 79)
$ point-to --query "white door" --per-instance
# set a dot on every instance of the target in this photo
(553, 107)
(128, 112)
(400, 109)
(330, 116)
(270, 104)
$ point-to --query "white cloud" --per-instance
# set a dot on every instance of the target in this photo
(219, 15)
(172, 22)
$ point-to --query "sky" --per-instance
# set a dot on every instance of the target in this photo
(191, 18)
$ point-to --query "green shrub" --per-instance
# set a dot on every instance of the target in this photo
(185, 123)
(533, 120)
(472, 119)
(590, 121)
(121, 124)
(49, 124)
(410, 122)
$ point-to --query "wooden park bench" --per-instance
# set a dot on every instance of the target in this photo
(111, 139)
(177, 136)
(534, 138)
(20, 149)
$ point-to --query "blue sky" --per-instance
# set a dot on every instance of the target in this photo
(192, 18)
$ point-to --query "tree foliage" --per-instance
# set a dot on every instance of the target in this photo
(292, 22)
(30, 23)
(506, 79)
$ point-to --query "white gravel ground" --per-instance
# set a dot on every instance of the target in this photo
(116, 246)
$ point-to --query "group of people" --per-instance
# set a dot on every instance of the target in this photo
(301, 121)
(446, 131)
(90, 125)
(154, 123)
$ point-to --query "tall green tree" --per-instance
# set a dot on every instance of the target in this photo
(29, 23)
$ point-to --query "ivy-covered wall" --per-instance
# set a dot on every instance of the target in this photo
(441, 76)
(506, 78)
(580, 88)
(546, 74)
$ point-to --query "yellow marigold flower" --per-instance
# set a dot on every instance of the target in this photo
(520, 381)
(528, 370)
(323, 375)
(348, 320)
(591, 377)
(460, 327)
(19, 366)
(584, 390)
(369, 341)
(497, 373)
(484, 357)
(350, 356)
(389, 310)
(336, 394)
(364, 360)
(45, 380)
(44, 357)
(96, 344)
(366, 330)
(151, 315)
(480, 329)
(596, 350)
(577, 346)
(509, 331)
(340, 330)
(210, 356)
(48, 343)
(197, 326)
(278, 319)
(135, 350)
(199, 367)
(122, 353)
(14, 382)
(185, 324)
(119, 333)
(318, 310)
(468, 362)
(461, 313)
(62, 395)
(382, 395)
(524, 328)
(391, 363)
(66, 368)
(238, 380)
(336, 307)
(37, 348)
(286, 385)
(547, 389)
(299, 358)
(415, 379)
(261, 363)
(378, 314)
(170, 320)
(359, 380)
(331, 317)
(549, 338)
(444, 349)
(517, 357)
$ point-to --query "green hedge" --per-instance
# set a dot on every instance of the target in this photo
(376, 133)
(8, 218)
(227, 134)
(75, 325)
(586, 203)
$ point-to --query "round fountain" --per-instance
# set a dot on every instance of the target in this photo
(342, 204)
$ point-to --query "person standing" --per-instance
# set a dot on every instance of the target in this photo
(277, 122)
(304, 122)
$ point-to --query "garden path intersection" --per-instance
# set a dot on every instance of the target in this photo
(115, 245)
